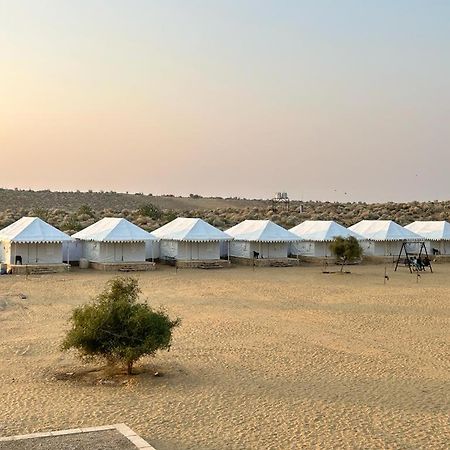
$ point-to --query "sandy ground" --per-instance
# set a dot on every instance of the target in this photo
(277, 358)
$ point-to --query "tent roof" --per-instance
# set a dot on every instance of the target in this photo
(190, 230)
(261, 231)
(32, 230)
(431, 229)
(113, 229)
(322, 230)
(384, 230)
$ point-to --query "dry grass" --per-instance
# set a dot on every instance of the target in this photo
(274, 358)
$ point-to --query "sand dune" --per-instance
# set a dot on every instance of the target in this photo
(274, 358)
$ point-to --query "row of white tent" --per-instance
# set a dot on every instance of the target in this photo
(33, 241)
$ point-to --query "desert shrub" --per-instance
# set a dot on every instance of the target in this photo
(85, 210)
(346, 249)
(83, 217)
(71, 223)
(140, 220)
(150, 210)
(218, 223)
(117, 327)
(42, 213)
(169, 216)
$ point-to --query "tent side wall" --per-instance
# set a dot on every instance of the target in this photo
(187, 251)
(208, 250)
(368, 248)
(245, 249)
(72, 251)
(96, 252)
(131, 251)
(391, 248)
(381, 248)
(50, 253)
(442, 246)
(240, 249)
(268, 250)
(2, 251)
(168, 249)
(33, 253)
(314, 249)
(224, 248)
(152, 249)
(112, 252)
(90, 250)
(300, 248)
(198, 251)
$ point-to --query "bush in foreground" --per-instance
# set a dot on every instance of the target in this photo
(119, 328)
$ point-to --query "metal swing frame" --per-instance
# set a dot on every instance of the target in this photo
(423, 249)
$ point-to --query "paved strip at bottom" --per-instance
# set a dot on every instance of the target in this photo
(99, 438)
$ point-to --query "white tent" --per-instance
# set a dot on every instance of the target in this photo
(435, 233)
(114, 240)
(30, 240)
(384, 237)
(190, 239)
(316, 237)
(261, 238)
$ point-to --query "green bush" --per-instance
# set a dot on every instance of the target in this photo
(71, 223)
(117, 327)
(85, 210)
(42, 213)
(169, 216)
(150, 210)
(346, 249)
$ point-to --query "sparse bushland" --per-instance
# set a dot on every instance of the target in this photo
(72, 211)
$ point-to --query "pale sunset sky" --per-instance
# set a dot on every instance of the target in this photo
(330, 100)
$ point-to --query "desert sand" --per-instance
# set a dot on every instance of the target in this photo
(276, 358)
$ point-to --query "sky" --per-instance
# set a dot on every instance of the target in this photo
(327, 100)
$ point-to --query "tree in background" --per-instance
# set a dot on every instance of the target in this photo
(119, 328)
(71, 223)
(85, 210)
(346, 249)
(150, 210)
